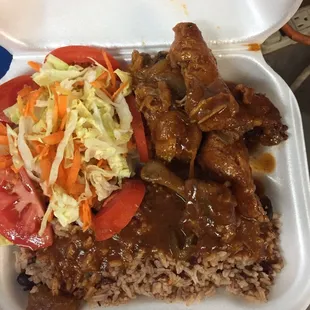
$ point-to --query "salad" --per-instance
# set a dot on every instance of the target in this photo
(69, 135)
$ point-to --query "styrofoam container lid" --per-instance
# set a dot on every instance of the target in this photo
(28, 29)
(34, 25)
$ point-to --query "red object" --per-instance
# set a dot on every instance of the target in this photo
(118, 210)
(78, 54)
(138, 129)
(295, 35)
(9, 90)
(21, 211)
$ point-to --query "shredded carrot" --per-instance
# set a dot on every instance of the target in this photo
(45, 165)
(4, 140)
(2, 129)
(44, 151)
(85, 214)
(25, 91)
(26, 110)
(35, 65)
(76, 190)
(52, 153)
(96, 84)
(100, 85)
(119, 90)
(74, 169)
(106, 92)
(54, 138)
(51, 216)
(55, 115)
(62, 105)
(29, 109)
(20, 105)
(110, 69)
(63, 122)
(62, 175)
(103, 76)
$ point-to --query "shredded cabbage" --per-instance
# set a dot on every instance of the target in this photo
(71, 123)
(12, 137)
(123, 112)
(49, 116)
(65, 207)
(48, 76)
(12, 113)
(69, 153)
(25, 128)
(87, 193)
(125, 77)
(39, 127)
(99, 149)
(56, 62)
(98, 178)
(119, 166)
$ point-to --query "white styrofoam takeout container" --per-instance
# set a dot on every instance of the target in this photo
(29, 29)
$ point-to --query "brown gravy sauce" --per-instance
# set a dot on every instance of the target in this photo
(155, 227)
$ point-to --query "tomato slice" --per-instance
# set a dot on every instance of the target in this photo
(21, 211)
(138, 129)
(9, 90)
(79, 54)
(118, 210)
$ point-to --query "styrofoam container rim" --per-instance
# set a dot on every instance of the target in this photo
(39, 26)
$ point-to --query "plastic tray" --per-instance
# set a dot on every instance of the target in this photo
(29, 29)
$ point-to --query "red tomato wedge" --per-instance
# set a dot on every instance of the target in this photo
(9, 90)
(79, 54)
(21, 211)
(138, 129)
(118, 210)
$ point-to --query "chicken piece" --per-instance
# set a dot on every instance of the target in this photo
(207, 94)
(257, 116)
(210, 211)
(231, 162)
(153, 101)
(235, 109)
(148, 70)
(156, 88)
(210, 207)
(176, 137)
(156, 172)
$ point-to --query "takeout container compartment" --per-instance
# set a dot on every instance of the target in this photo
(37, 27)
